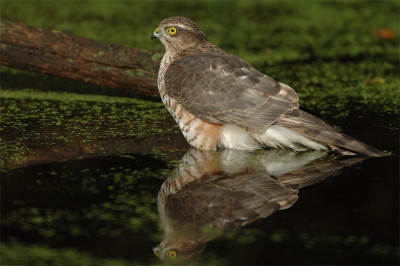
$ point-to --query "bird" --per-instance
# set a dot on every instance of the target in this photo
(210, 193)
(220, 101)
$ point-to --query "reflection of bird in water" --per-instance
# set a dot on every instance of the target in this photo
(210, 191)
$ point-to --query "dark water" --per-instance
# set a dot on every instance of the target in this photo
(99, 198)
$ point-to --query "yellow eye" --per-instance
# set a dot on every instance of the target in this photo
(156, 251)
(172, 254)
(172, 30)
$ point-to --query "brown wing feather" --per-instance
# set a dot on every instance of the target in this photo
(299, 118)
(219, 88)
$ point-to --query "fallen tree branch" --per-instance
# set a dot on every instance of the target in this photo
(69, 56)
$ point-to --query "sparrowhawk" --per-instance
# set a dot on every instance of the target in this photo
(221, 101)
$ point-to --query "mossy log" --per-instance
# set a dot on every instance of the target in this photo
(69, 56)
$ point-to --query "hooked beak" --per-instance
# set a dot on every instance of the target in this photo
(155, 34)
(156, 250)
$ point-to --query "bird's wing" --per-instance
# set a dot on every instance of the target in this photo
(230, 202)
(305, 118)
(315, 128)
(220, 88)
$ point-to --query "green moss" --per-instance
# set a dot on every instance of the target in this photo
(52, 118)
(98, 55)
(41, 255)
(72, 97)
(337, 89)
(157, 56)
(139, 73)
(135, 73)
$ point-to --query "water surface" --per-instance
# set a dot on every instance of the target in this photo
(84, 182)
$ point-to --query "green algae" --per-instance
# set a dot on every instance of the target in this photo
(41, 255)
(337, 89)
(121, 192)
(38, 118)
(71, 97)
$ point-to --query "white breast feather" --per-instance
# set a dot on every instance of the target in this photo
(235, 137)
(279, 137)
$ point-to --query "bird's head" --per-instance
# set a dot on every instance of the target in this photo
(179, 249)
(178, 33)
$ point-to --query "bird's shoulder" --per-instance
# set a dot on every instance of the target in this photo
(217, 71)
(206, 54)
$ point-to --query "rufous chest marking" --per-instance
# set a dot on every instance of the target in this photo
(199, 134)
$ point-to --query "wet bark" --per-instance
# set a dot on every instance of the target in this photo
(69, 56)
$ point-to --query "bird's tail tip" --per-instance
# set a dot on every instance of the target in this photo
(364, 150)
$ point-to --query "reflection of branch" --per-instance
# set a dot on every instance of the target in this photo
(69, 56)
(387, 127)
(62, 152)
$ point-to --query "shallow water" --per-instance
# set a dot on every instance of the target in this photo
(82, 179)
